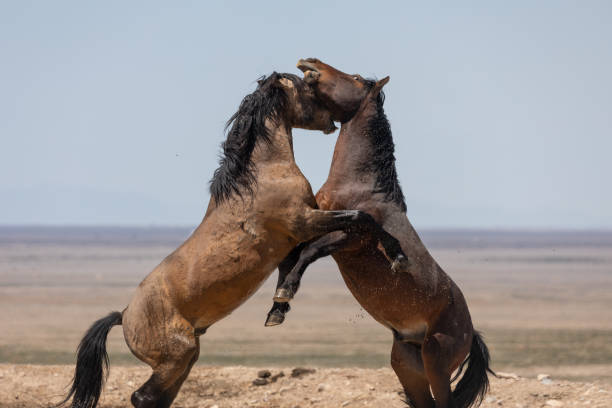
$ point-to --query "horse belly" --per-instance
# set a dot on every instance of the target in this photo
(238, 283)
(385, 295)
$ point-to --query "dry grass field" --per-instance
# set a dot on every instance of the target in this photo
(542, 299)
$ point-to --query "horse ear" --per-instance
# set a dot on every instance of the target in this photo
(378, 86)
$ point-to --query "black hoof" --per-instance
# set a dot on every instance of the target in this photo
(275, 318)
(142, 400)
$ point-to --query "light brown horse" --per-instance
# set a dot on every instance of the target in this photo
(424, 308)
(261, 207)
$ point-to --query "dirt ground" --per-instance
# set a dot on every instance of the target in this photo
(26, 386)
(542, 300)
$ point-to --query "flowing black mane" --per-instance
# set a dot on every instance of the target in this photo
(382, 162)
(236, 173)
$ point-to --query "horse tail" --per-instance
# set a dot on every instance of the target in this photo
(92, 364)
(474, 384)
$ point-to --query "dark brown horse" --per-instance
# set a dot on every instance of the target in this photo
(424, 308)
(261, 207)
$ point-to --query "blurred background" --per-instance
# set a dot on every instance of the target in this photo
(111, 117)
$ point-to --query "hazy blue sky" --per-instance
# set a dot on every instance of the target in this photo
(112, 112)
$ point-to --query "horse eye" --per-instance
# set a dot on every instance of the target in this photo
(356, 77)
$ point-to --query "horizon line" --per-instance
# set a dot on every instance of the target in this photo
(427, 228)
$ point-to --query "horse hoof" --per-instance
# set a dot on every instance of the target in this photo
(283, 295)
(274, 319)
(400, 264)
(141, 400)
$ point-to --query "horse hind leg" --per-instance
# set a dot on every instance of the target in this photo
(438, 356)
(162, 387)
(170, 394)
(408, 366)
(171, 365)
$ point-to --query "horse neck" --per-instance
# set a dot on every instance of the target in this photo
(353, 149)
(278, 149)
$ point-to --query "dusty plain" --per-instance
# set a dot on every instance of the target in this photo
(542, 299)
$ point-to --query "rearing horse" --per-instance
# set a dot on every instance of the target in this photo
(424, 308)
(261, 207)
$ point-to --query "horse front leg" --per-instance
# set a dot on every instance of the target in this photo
(315, 223)
(289, 281)
(276, 315)
(319, 248)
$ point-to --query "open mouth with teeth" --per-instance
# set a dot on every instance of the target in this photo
(311, 73)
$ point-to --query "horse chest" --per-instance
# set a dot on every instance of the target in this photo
(345, 196)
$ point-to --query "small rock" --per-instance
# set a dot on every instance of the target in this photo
(264, 373)
(490, 400)
(554, 403)
(322, 387)
(543, 376)
(546, 381)
(301, 371)
(276, 376)
(260, 381)
(130, 383)
(507, 376)
(345, 403)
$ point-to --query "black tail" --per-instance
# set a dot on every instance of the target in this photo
(474, 384)
(92, 364)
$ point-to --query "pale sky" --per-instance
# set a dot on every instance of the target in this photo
(112, 113)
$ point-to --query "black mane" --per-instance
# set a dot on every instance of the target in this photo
(382, 162)
(236, 173)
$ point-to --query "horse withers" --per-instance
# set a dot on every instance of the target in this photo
(261, 207)
(425, 310)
